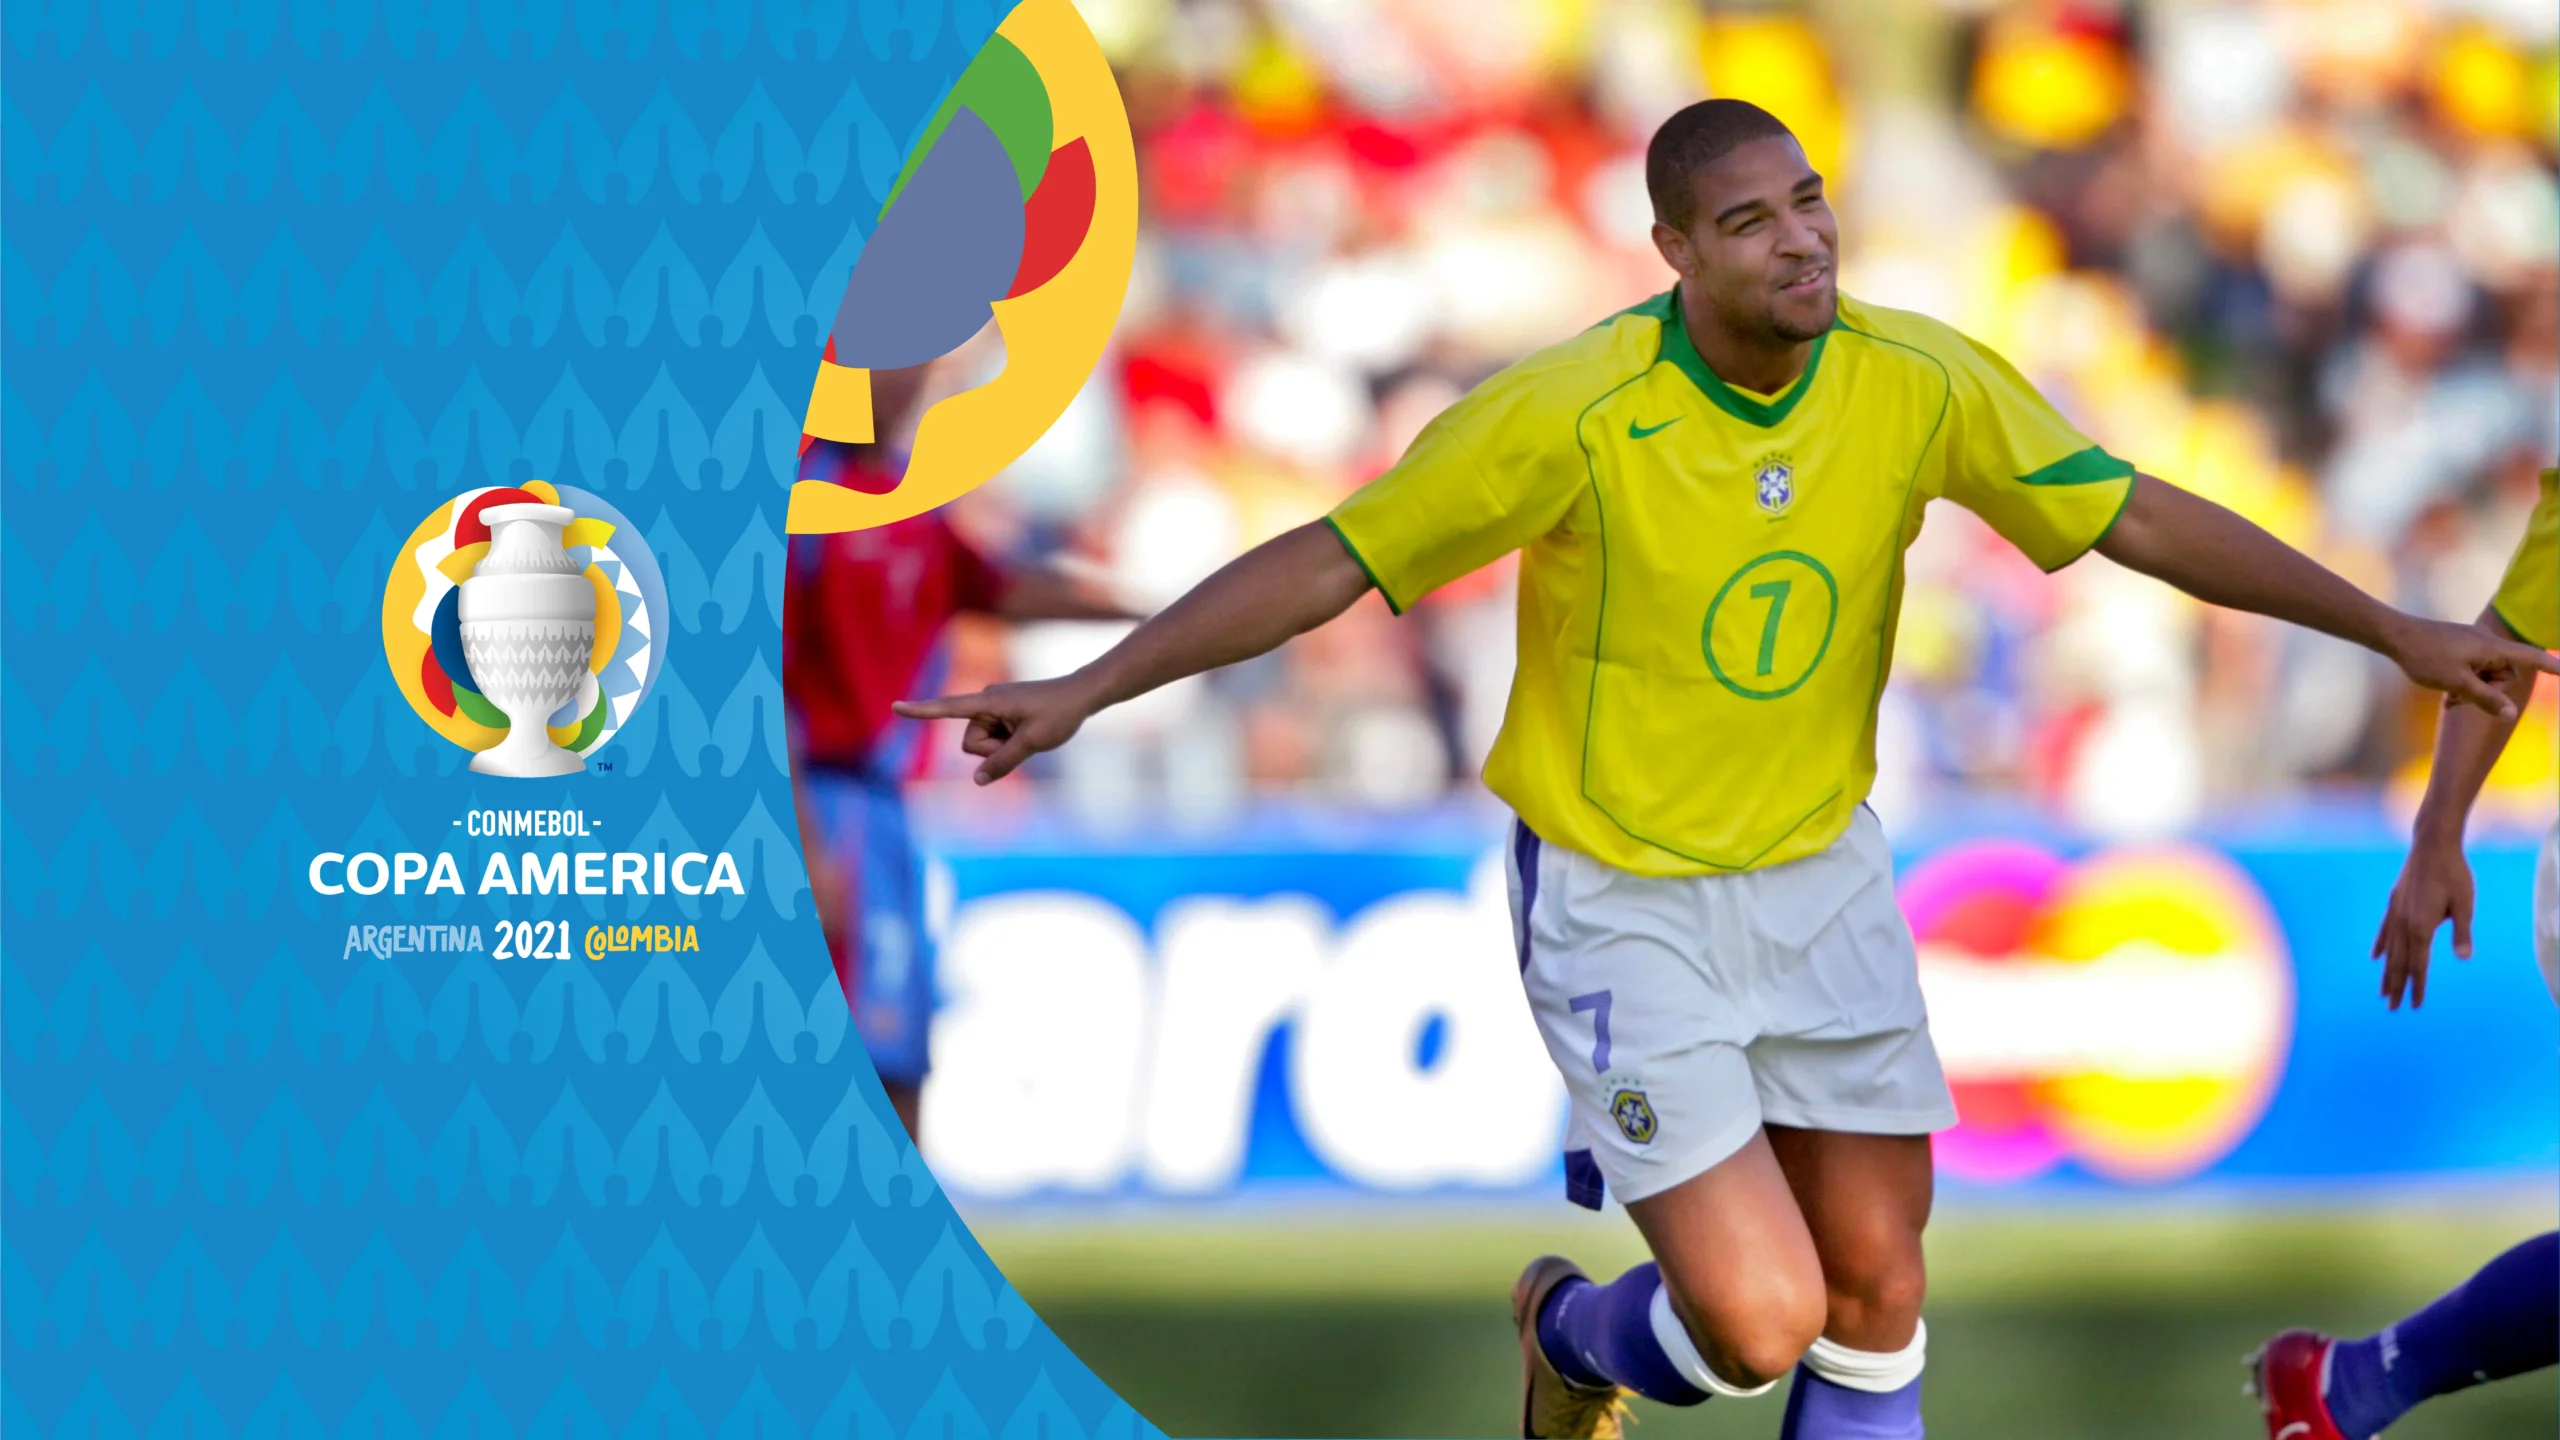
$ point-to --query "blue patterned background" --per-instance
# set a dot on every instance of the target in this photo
(280, 275)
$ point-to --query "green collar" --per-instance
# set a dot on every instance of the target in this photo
(1677, 349)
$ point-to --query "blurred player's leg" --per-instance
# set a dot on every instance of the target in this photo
(1865, 1199)
(893, 1006)
(2503, 1321)
(830, 882)
(883, 961)
(831, 820)
(907, 1100)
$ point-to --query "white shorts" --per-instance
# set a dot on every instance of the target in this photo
(2546, 911)
(1686, 1012)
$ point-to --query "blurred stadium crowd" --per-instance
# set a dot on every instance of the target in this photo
(2303, 257)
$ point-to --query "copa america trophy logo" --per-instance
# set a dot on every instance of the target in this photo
(525, 623)
(528, 627)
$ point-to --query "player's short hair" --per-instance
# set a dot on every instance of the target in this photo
(1692, 140)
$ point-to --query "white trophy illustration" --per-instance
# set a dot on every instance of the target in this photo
(528, 628)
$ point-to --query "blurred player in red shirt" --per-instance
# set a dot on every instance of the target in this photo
(863, 621)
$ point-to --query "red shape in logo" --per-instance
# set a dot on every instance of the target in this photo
(439, 686)
(471, 529)
(1055, 218)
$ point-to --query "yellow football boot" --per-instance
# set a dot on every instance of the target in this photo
(1552, 1407)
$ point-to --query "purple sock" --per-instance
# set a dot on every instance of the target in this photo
(1603, 1335)
(2501, 1322)
(1820, 1410)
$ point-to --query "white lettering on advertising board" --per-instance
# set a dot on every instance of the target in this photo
(1072, 1054)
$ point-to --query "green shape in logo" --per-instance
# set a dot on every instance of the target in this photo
(1640, 432)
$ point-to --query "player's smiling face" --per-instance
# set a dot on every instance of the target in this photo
(1762, 250)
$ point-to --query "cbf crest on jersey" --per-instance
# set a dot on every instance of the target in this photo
(1773, 481)
(1634, 1115)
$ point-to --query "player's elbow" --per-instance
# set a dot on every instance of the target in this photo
(1331, 577)
(2132, 539)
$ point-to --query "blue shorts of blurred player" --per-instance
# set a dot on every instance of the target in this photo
(888, 973)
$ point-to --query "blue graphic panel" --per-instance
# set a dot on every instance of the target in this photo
(278, 279)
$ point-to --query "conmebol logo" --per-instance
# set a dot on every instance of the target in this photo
(2130, 1011)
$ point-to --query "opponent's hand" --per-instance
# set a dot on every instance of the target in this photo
(1009, 724)
(2466, 662)
(2435, 886)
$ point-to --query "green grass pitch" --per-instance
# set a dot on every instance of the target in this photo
(2083, 1322)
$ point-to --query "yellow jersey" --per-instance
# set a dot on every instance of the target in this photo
(1709, 578)
(2528, 598)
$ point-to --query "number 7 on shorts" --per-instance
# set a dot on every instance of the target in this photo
(1597, 1002)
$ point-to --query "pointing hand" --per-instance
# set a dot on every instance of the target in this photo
(1009, 724)
(2466, 662)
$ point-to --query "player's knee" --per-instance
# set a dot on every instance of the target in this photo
(1876, 1300)
(1759, 1339)
(1764, 1349)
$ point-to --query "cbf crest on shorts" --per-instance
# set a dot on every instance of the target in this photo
(1634, 1115)
(1773, 481)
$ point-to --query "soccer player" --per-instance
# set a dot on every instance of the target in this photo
(2505, 1320)
(1712, 493)
(863, 615)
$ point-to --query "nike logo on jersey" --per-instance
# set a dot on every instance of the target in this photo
(1639, 432)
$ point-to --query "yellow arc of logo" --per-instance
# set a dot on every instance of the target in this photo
(1054, 335)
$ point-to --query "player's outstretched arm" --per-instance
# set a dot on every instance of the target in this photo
(2435, 881)
(2221, 559)
(1281, 588)
(1065, 590)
